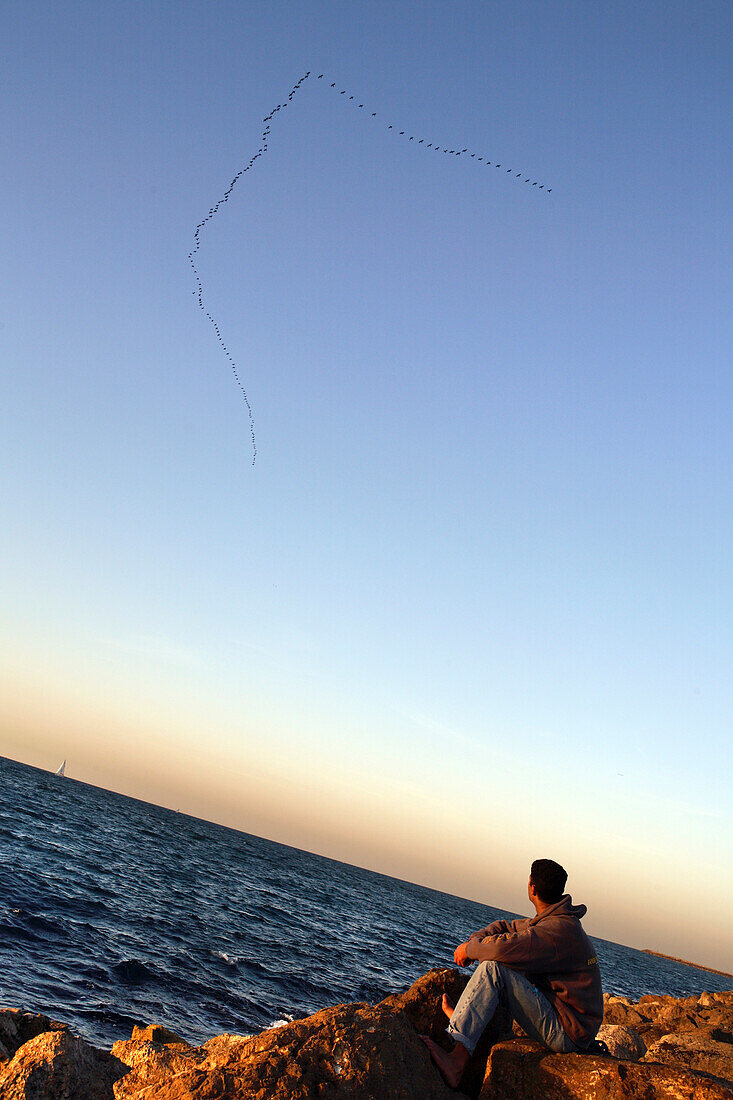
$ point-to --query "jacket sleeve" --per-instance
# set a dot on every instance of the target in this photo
(499, 926)
(523, 948)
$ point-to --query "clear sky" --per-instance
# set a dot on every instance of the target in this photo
(472, 604)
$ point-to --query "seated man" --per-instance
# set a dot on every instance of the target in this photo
(543, 969)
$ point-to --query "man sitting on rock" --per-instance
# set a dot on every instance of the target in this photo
(543, 969)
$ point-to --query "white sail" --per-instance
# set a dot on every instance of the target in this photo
(61, 769)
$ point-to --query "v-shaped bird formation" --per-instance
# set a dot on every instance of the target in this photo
(267, 120)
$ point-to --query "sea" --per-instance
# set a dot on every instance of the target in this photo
(115, 912)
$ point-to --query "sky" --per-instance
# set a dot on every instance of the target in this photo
(471, 604)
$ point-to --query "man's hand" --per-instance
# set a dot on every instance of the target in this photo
(460, 957)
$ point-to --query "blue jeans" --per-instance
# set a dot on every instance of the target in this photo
(493, 983)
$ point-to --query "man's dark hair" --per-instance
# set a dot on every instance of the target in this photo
(548, 879)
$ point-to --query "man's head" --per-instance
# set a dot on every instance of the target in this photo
(546, 881)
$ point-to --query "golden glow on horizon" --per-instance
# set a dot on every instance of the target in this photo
(450, 837)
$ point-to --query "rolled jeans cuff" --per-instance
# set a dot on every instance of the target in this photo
(459, 1037)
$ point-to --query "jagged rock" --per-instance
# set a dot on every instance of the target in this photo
(156, 1033)
(57, 1065)
(622, 1011)
(422, 1004)
(720, 1017)
(654, 1016)
(351, 1052)
(18, 1027)
(373, 1052)
(146, 1063)
(722, 997)
(701, 1050)
(422, 1000)
(520, 1070)
(622, 1042)
(675, 1017)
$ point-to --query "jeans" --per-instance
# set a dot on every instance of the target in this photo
(492, 983)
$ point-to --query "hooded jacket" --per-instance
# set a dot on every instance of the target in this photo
(554, 953)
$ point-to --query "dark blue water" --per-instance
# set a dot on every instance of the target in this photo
(115, 912)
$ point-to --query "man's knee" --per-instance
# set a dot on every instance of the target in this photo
(491, 970)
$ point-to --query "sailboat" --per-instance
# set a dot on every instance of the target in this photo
(61, 769)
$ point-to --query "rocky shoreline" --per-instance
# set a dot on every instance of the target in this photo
(686, 962)
(661, 1047)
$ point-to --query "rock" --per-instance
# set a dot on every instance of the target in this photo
(222, 1044)
(721, 1016)
(621, 1011)
(17, 1027)
(56, 1065)
(422, 1004)
(701, 1050)
(520, 1070)
(374, 1052)
(655, 1000)
(622, 1042)
(348, 1052)
(675, 1017)
(422, 1000)
(354, 1051)
(156, 1033)
(146, 1064)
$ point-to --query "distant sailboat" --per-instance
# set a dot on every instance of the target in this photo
(61, 769)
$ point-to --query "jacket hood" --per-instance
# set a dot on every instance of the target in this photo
(562, 908)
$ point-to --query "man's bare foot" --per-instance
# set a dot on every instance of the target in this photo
(451, 1065)
(447, 1007)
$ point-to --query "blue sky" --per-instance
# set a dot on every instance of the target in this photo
(483, 560)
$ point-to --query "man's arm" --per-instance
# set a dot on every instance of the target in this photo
(499, 926)
(464, 957)
(524, 948)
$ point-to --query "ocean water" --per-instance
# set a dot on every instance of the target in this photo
(115, 912)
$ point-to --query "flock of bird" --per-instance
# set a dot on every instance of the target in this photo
(199, 292)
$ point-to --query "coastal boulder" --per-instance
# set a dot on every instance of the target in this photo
(422, 1005)
(147, 1063)
(623, 1042)
(622, 1011)
(156, 1033)
(350, 1052)
(521, 1070)
(56, 1065)
(374, 1052)
(706, 1050)
(421, 1002)
(17, 1027)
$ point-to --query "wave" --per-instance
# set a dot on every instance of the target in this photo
(134, 972)
(282, 1022)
